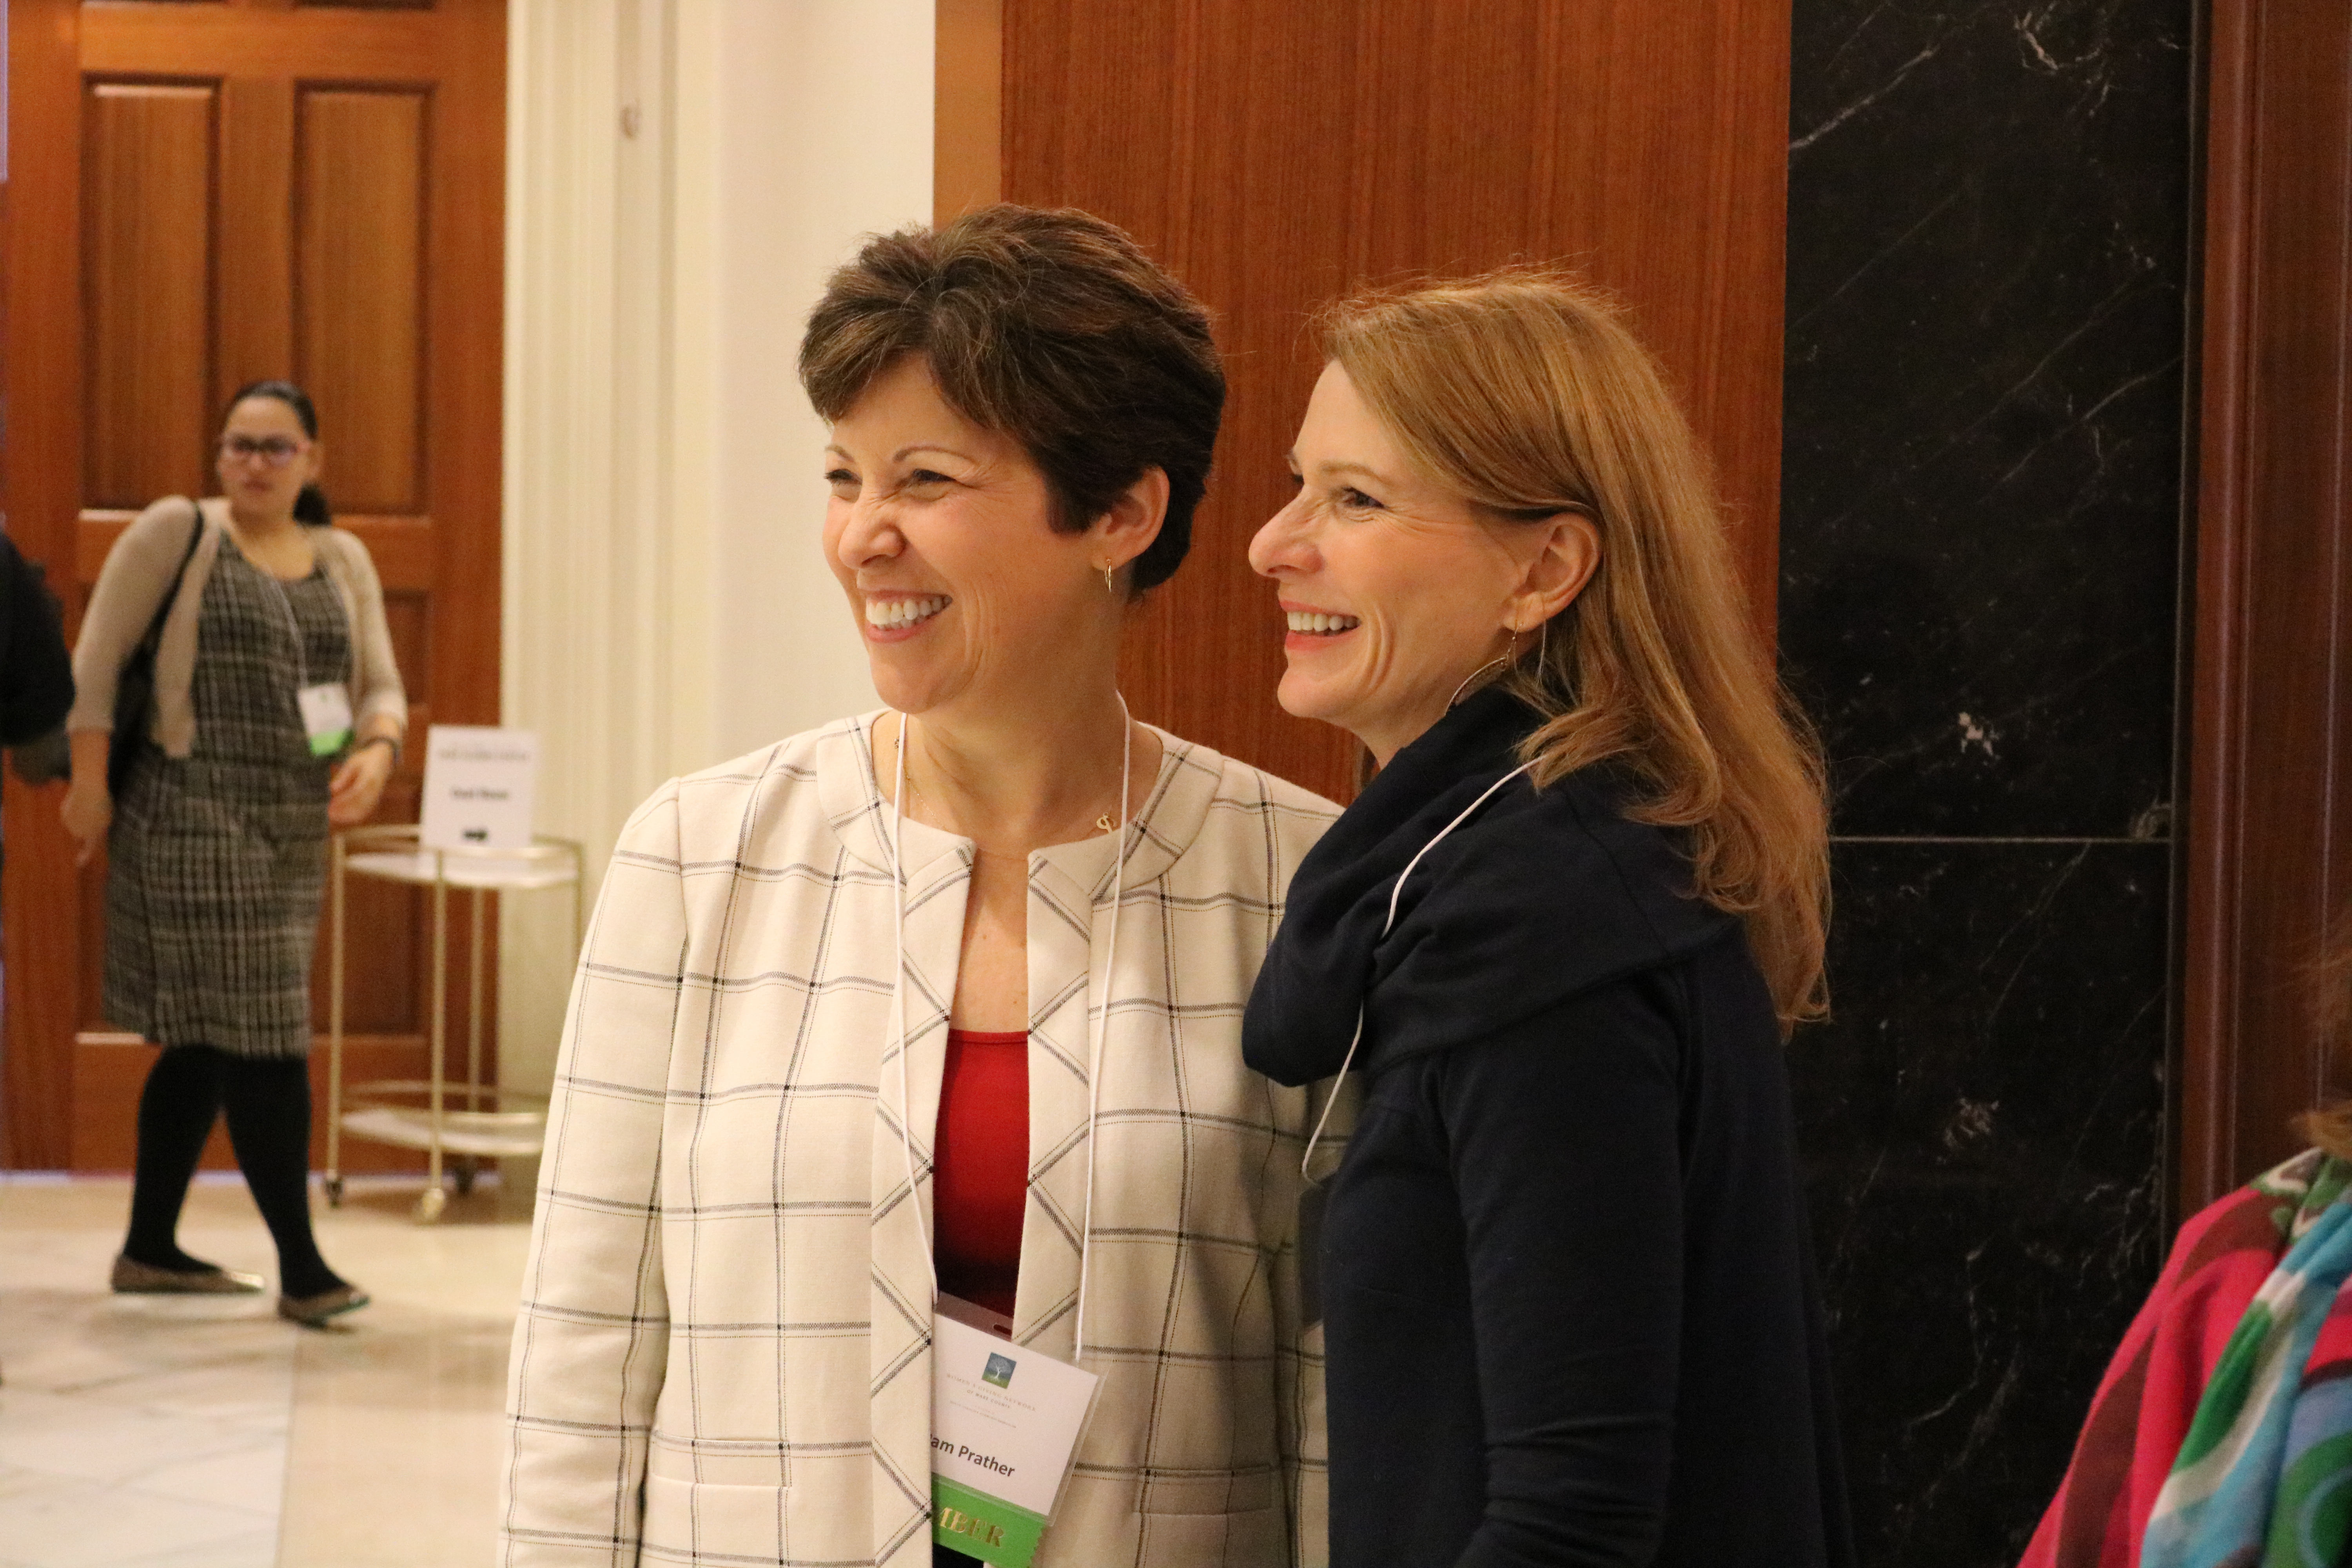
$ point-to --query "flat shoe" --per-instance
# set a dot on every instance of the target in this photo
(312, 1311)
(132, 1277)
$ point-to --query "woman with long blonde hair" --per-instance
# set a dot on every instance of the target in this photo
(1560, 936)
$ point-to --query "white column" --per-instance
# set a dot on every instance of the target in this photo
(682, 175)
(827, 115)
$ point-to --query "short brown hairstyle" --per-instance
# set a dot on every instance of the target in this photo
(1524, 391)
(1053, 327)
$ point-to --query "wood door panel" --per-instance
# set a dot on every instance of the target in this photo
(408, 616)
(111, 1071)
(147, 206)
(253, 298)
(358, 287)
(155, 40)
(384, 995)
(1276, 156)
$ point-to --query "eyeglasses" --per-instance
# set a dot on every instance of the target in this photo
(274, 450)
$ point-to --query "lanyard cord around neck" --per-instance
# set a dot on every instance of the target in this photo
(1395, 893)
(1101, 1021)
(286, 602)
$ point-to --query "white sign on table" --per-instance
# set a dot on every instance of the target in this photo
(478, 787)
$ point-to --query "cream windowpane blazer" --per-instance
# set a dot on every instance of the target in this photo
(724, 1350)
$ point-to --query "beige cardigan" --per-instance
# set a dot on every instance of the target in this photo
(724, 1355)
(138, 574)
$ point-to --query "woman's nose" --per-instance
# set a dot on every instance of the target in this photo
(1280, 547)
(870, 534)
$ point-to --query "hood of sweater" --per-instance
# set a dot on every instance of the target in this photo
(1541, 895)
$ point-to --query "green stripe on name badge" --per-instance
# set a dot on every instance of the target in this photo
(984, 1527)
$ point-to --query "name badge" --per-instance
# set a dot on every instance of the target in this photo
(326, 717)
(1005, 1422)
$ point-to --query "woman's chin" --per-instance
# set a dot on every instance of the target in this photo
(906, 686)
(1304, 698)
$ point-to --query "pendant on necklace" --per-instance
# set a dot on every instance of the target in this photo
(1103, 822)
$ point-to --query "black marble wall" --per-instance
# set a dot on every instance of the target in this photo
(1981, 537)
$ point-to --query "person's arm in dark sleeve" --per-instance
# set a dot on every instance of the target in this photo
(37, 688)
(1563, 1138)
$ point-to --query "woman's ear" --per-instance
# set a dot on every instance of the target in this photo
(1134, 520)
(1559, 565)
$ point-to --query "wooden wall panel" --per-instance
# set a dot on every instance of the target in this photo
(147, 206)
(359, 288)
(1276, 156)
(2268, 854)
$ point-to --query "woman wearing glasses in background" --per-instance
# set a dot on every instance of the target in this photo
(275, 711)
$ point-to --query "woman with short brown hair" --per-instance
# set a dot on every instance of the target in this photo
(942, 1001)
(1561, 934)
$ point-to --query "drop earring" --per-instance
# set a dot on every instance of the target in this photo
(1110, 587)
(1495, 663)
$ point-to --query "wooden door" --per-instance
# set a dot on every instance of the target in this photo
(1274, 156)
(205, 193)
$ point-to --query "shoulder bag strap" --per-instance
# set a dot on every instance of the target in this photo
(154, 636)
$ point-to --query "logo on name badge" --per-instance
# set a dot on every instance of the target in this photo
(999, 1370)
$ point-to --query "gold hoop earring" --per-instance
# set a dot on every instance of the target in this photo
(1109, 585)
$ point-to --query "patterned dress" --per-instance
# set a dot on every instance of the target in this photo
(218, 860)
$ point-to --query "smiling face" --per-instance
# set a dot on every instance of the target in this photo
(1395, 590)
(265, 457)
(940, 533)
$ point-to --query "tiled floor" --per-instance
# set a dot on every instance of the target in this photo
(203, 1433)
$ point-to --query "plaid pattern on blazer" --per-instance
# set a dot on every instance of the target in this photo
(724, 1350)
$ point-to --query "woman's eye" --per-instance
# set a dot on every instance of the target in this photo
(841, 479)
(925, 478)
(1298, 481)
(1354, 499)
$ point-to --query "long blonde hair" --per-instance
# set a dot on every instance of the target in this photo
(1525, 393)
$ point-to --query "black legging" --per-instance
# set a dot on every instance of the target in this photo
(268, 1106)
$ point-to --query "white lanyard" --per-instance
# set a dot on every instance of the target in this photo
(1101, 1020)
(326, 709)
(1394, 894)
(286, 602)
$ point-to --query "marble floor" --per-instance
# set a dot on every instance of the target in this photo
(196, 1432)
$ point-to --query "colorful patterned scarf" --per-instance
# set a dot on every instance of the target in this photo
(2221, 1436)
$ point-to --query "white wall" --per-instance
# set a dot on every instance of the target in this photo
(682, 175)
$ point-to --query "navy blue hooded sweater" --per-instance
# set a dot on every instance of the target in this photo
(1566, 1289)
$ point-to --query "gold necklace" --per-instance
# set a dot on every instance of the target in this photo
(1103, 824)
